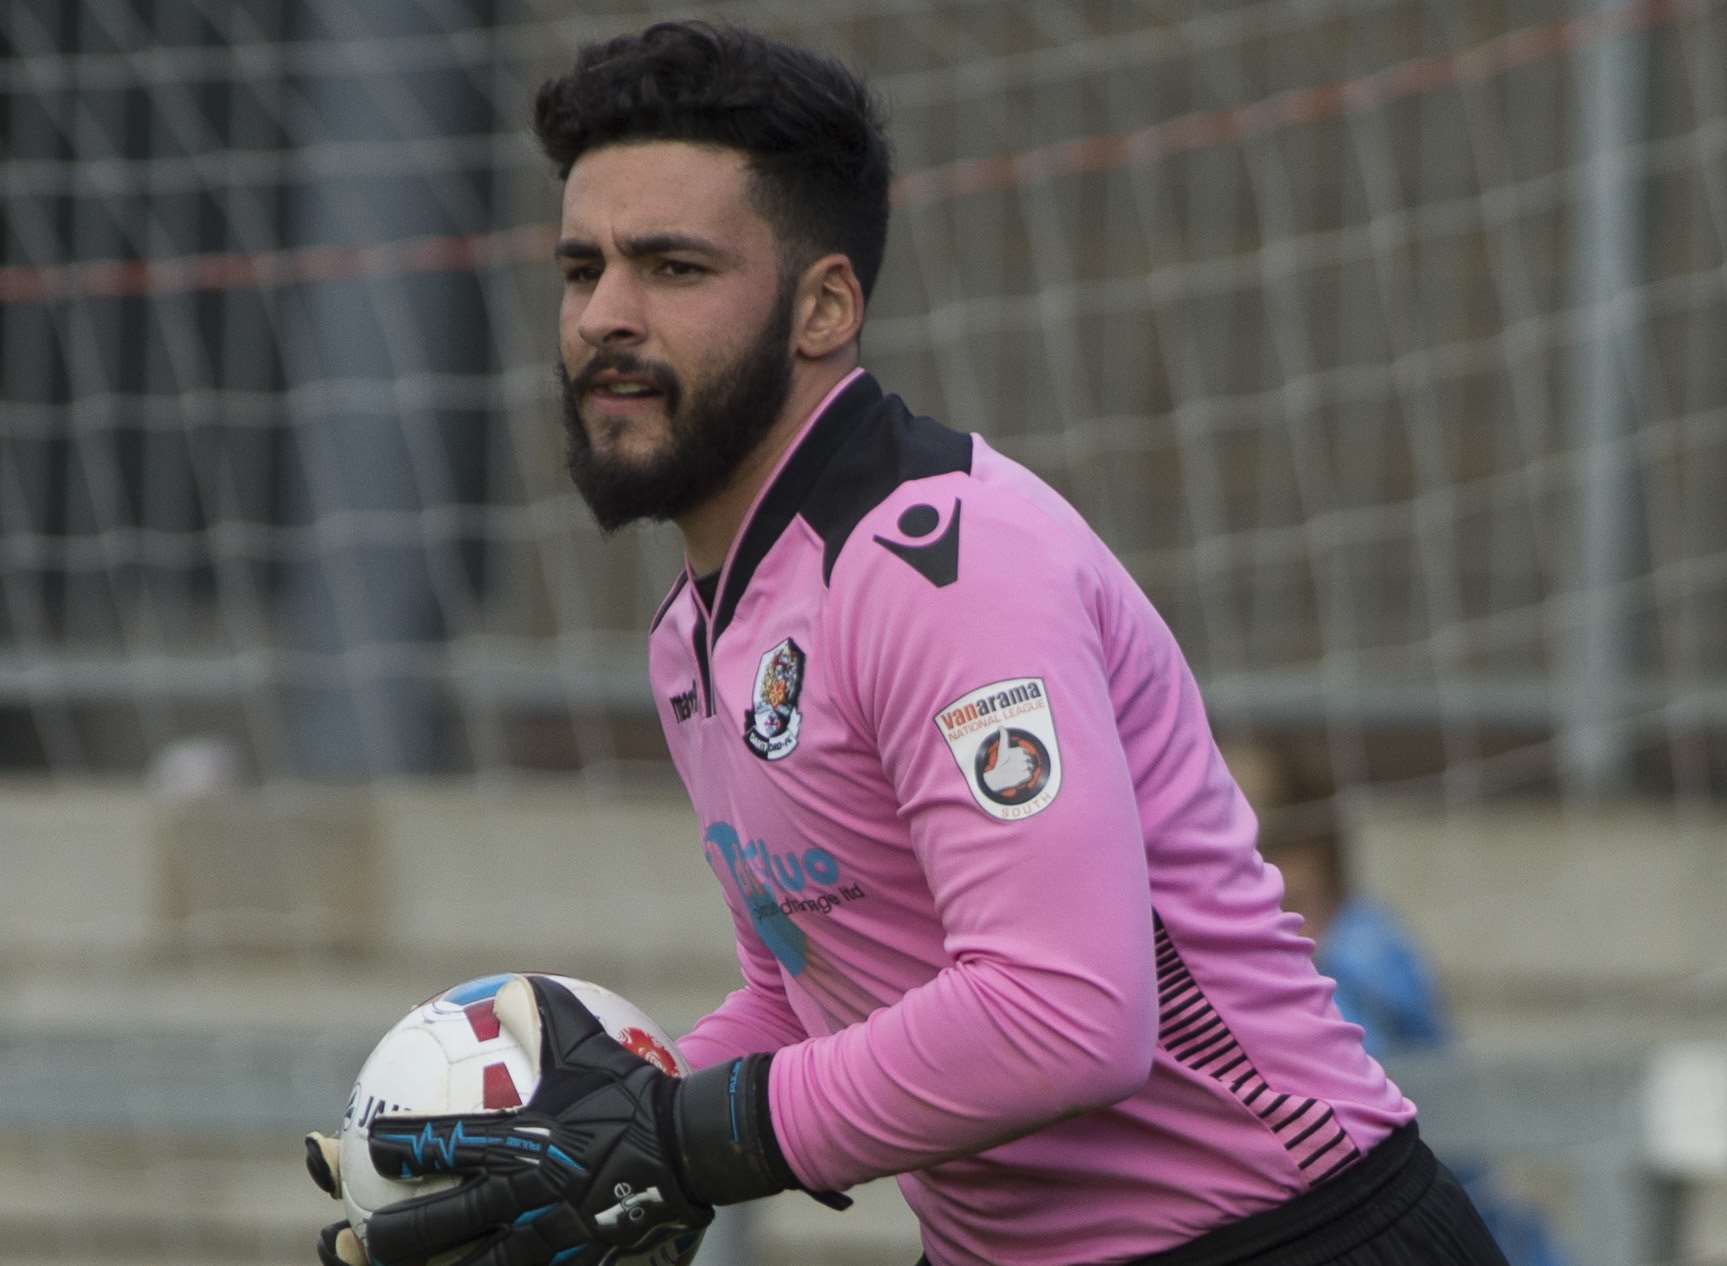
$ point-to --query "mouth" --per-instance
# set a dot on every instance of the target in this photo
(621, 388)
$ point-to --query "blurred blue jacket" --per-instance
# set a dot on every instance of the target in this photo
(1384, 986)
(1382, 983)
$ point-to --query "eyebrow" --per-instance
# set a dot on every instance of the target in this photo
(646, 244)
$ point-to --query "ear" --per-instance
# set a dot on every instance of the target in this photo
(829, 308)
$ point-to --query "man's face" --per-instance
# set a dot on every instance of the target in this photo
(675, 327)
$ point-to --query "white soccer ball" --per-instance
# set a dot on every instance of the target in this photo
(450, 1054)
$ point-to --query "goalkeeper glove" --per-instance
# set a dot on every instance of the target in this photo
(609, 1155)
(337, 1243)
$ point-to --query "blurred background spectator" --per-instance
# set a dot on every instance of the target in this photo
(1385, 982)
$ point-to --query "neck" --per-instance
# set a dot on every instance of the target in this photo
(709, 529)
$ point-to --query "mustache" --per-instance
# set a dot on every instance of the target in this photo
(660, 376)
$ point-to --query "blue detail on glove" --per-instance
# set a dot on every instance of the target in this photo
(566, 1255)
(444, 1150)
(534, 1215)
(563, 1159)
(732, 1096)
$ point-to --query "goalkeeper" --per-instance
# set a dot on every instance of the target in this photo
(1002, 927)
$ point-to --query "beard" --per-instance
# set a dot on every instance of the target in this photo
(712, 427)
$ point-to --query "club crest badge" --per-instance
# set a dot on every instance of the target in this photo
(772, 722)
(1002, 737)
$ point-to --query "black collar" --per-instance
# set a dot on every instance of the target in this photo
(791, 488)
(863, 446)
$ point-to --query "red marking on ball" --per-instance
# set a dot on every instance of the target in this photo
(500, 1088)
(482, 1019)
(638, 1042)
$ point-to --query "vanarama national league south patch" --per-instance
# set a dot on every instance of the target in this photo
(1002, 737)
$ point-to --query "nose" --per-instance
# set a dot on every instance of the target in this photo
(612, 315)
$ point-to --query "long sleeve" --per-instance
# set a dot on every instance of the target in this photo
(988, 701)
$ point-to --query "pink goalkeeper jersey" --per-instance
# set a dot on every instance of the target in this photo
(997, 900)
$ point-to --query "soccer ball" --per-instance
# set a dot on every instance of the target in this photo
(450, 1054)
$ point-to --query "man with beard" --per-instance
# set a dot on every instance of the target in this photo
(707, 438)
(1002, 928)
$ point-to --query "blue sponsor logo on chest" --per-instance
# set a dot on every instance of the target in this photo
(775, 885)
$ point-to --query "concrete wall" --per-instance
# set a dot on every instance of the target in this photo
(312, 916)
(1532, 914)
(1552, 924)
(603, 882)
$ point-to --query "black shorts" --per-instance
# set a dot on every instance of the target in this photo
(1398, 1207)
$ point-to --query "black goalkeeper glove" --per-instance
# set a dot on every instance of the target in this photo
(609, 1155)
(337, 1243)
(338, 1246)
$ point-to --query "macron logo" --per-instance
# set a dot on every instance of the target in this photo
(936, 561)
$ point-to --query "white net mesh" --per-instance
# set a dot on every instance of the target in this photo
(1381, 338)
(1389, 368)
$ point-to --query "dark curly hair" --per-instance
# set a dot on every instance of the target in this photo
(812, 131)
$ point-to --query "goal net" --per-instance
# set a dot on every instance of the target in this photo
(1381, 339)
